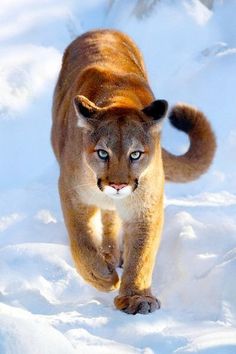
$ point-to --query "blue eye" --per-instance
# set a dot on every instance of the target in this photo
(103, 154)
(135, 155)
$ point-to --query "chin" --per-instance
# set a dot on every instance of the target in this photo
(117, 196)
(123, 193)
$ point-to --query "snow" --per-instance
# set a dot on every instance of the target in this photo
(45, 306)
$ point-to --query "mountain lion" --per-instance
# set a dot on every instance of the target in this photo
(106, 138)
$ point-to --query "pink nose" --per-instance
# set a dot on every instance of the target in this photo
(118, 186)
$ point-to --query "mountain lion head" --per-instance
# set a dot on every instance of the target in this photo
(119, 147)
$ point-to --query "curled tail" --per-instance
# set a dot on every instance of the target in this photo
(198, 158)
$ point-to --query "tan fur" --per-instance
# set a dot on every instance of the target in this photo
(103, 101)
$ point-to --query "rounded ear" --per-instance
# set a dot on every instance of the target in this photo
(157, 109)
(85, 107)
(85, 110)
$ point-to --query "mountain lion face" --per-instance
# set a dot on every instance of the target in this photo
(119, 145)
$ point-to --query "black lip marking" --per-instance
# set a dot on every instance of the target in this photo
(99, 184)
(135, 184)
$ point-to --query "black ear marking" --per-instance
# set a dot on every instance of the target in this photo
(157, 109)
(85, 107)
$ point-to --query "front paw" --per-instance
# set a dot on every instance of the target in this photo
(107, 283)
(111, 256)
(95, 270)
(100, 274)
(143, 304)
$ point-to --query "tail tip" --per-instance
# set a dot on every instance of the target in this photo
(183, 117)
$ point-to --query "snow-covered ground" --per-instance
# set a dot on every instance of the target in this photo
(45, 306)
